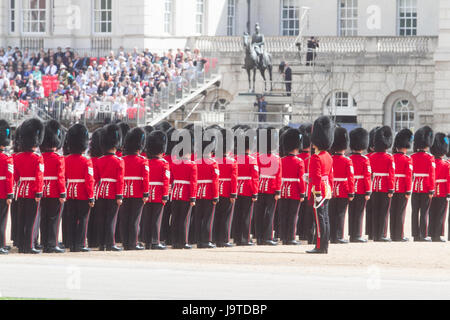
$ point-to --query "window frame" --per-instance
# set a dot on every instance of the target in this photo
(168, 24)
(16, 19)
(292, 6)
(201, 15)
(231, 19)
(405, 108)
(411, 8)
(341, 103)
(349, 18)
(100, 22)
(20, 4)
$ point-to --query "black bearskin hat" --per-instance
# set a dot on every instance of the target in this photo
(77, 139)
(441, 145)
(134, 141)
(53, 137)
(227, 141)
(372, 139)
(403, 139)
(306, 131)
(170, 144)
(383, 139)
(323, 133)
(156, 143)
(280, 143)
(111, 137)
(5, 133)
(149, 129)
(125, 128)
(16, 140)
(423, 138)
(163, 126)
(265, 138)
(359, 139)
(95, 148)
(291, 139)
(341, 140)
(31, 134)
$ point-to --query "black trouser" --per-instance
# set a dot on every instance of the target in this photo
(380, 214)
(264, 215)
(181, 219)
(130, 213)
(92, 232)
(322, 226)
(438, 212)
(204, 220)
(369, 219)
(223, 221)
(165, 224)
(337, 210)
(288, 211)
(106, 220)
(77, 215)
(65, 226)
(306, 225)
(420, 204)
(51, 211)
(243, 219)
(356, 216)
(3, 222)
(27, 223)
(398, 214)
(276, 222)
(14, 215)
(288, 88)
(153, 214)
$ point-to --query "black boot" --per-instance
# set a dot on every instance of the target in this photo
(318, 251)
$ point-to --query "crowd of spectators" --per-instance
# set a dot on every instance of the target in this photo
(122, 79)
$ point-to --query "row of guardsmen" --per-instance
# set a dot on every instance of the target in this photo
(126, 186)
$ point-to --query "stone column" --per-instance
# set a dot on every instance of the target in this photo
(441, 108)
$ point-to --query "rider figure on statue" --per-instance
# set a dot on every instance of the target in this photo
(258, 43)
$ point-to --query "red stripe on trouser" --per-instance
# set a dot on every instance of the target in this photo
(61, 207)
(317, 227)
(34, 224)
(187, 223)
(86, 228)
(211, 224)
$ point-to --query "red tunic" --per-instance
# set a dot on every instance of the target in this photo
(29, 175)
(293, 183)
(344, 177)
(248, 176)
(208, 179)
(54, 175)
(184, 180)
(159, 180)
(424, 173)
(79, 177)
(442, 178)
(403, 173)
(228, 179)
(363, 174)
(135, 177)
(320, 175)
(110, 173)
(383, 168)
(6, 176)
(270, 171)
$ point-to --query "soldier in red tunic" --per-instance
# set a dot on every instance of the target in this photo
(370, 152)
(383, 167)
(293, 190)
(439, 204)
(29, 178)
(159, 183)
(359, 142)
(343, 188)
(136, 189)
(403, 184)
(52, 203)
(14, 205)
(184, 191)
(227, 191)
(270, 171)
(110, 174)
(321, 180)
(6, 182)
(424, 183)
(80, 189)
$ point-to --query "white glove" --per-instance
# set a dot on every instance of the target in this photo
(319, 199)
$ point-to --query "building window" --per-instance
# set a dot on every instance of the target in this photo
(168, 16)
(12, 16)
(199, 16)
(348, 18)
(290, 22)
(407, 17)
(231, 17)
(102, 16)
(403, 115)
(34, 16)
(341, 103)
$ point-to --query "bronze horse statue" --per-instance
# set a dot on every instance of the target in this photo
(252, 62)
